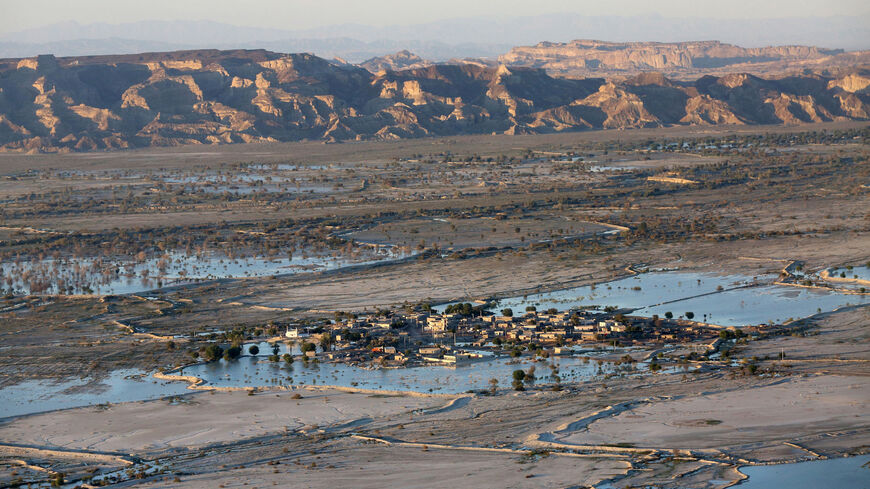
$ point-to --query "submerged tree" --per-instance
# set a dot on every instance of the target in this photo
(212, 352)
(517, 383)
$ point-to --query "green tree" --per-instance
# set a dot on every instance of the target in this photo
(507, 312)
(669, 315)
(232, 353)
(212, 352)
(254, 350)
(326, 341)
(690, 315)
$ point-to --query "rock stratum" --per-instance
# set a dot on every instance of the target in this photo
(50, 104)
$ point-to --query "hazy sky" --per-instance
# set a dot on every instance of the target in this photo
(16, 15)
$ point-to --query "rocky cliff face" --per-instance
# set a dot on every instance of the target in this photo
(211, 97)
(582, 57)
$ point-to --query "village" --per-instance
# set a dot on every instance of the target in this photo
(464, 333)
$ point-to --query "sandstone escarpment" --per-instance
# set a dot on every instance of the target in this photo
(590, 57)
(217, 97)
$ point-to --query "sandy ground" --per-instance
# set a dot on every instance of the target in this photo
(783, 410)
(201, 419)
(478, 232)
(352, 464)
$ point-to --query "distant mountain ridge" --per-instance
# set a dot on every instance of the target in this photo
(346, 48)
(437, 40)
(213, 97)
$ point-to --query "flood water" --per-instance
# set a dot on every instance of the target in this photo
(639, 291)
(759, 305)
(841, 473)
(726, 300)
(36, 396)
(857, 273)
(126, 276)
(258, 371)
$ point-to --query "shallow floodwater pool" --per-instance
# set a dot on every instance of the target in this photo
(842, 473)
(36, 396)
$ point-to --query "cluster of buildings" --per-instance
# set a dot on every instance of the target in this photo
(430, 337)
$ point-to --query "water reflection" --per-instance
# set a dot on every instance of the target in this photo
(258, 371)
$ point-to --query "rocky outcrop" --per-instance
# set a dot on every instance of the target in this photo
(218, 97)
(403, 60)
